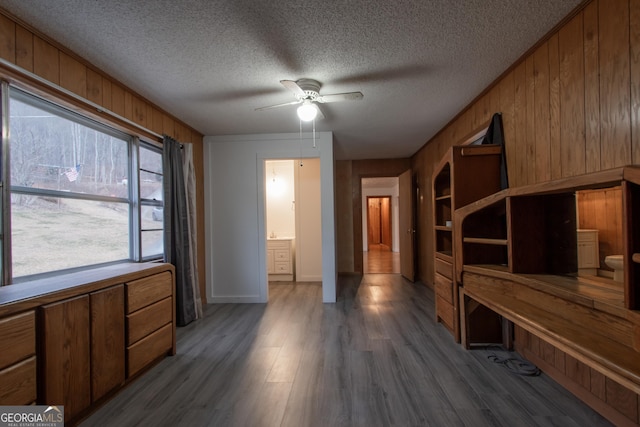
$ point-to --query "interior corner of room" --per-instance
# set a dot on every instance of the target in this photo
(546, 267)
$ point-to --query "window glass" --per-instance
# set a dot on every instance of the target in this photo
(151, 201)
(150, 173)
(70, 199)
(152, 243)
(54, 233)
(51, 152)
(79, 198)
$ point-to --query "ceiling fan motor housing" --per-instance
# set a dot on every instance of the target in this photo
(310, 87)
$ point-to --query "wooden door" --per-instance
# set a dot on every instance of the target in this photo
(107, 340)
(374, 235)
(407, 227)
(66, 355)
(379, 221)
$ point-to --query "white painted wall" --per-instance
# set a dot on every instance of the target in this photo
(395, 223)
(308, 222)
(235, 229)
(281, 212)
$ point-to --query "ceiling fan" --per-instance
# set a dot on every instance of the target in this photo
(307, 93)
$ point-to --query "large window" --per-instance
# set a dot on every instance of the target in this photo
(82, 193)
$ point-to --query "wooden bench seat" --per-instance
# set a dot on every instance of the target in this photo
(599, 333)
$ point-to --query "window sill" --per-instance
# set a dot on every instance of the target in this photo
(27, 295)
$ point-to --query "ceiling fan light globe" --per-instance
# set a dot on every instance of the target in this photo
(307, 112)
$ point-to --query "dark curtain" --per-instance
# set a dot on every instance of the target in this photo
(176, 230)
(495, 135)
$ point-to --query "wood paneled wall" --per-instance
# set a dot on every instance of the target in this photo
(344, 216)
(35, 53)
(616, 402)
(570, 106)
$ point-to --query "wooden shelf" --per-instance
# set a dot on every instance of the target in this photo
(564, 324)
(444, 255)
(444, 197)
(480, 150)
(588, 291)
(443, 228)
(485, 241)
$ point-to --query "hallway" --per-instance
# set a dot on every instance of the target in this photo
(379, 259)
(374, 358)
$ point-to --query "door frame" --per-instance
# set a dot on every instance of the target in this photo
(408, 238)
(367, 169)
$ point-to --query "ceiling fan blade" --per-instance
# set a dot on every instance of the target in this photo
(339, 97)
(320, 115)
(293, 87)
(278, 105)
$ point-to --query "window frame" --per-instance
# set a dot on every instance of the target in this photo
(143, 201)
(133, 199)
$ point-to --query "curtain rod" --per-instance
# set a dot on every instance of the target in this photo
(98, 108)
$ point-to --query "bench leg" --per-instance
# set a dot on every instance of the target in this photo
(464, 319)
(507, 334)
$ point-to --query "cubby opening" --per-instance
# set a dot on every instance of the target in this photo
(442, 182)
(485, 236)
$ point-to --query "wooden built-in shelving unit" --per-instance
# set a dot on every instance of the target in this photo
(465, 174)
(516, 257)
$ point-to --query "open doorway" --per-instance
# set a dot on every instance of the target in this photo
(380, 225)
(293, 220)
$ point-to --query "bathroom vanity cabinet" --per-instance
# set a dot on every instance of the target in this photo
(588, 252)
(466, 173)
(280, 259)
(516, 257)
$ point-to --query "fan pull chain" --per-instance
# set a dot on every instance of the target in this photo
(300, 147)
(314, 133)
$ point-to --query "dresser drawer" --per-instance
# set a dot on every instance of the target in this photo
(17, 338)
(18, 383)
(279, 244)
(444, 288)
(445, 312)
(281, 255)
(146, 291)
(444, 268)
(283, 268)
(145, 351)
(143, 322)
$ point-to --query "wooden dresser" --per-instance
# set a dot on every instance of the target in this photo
(18, 359)
(76, 339)
(149, 320)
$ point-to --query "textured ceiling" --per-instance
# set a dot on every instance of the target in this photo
(212, 62)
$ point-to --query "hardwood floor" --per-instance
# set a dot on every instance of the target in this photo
(375, 358)
(380, 259)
